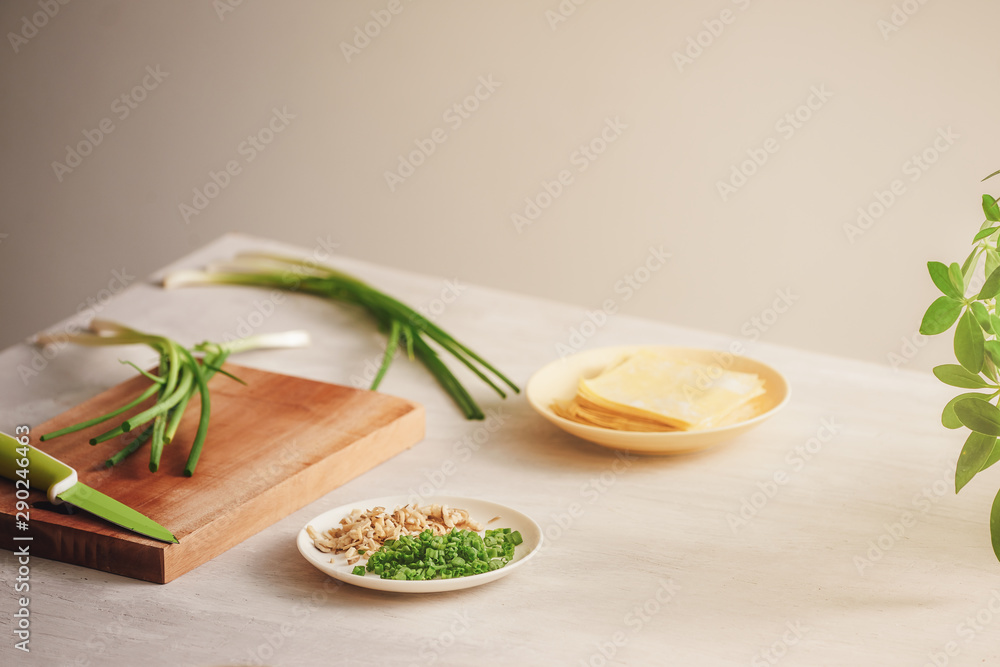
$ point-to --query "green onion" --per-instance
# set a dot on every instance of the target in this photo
(103, 418)
(460, 553)
(180, 377)
(402, 324)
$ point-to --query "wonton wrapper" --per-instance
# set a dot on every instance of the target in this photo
(652, 391)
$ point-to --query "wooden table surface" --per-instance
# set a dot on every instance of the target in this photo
(829, 535)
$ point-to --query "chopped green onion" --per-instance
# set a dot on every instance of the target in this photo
(459, 553)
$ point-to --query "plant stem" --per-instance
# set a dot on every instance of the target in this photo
(401, 322)
(103, 418)
(180, 376)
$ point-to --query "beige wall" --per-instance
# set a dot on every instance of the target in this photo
(871, 86)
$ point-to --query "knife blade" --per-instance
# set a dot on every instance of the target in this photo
(60, 483)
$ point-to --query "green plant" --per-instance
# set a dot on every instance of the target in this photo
(977, 350)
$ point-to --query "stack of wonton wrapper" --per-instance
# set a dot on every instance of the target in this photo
(651, 390)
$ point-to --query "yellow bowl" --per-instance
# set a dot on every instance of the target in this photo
(558, 381)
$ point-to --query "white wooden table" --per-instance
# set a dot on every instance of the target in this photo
(830, 535)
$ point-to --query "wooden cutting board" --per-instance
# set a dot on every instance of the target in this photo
(273, 446)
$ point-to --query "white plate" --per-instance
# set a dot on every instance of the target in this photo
(479, 510)
(559, 380)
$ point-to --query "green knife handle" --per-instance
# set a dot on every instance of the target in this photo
(45, 473)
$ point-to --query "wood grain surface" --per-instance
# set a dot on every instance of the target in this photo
(273, 446)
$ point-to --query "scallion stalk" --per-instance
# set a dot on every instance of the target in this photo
(181, 376)
(402, 324)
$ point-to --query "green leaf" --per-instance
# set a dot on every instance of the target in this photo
(940, 316)
(991, 209)
(992, 349)
(991, 287)
(954, 375)
(989, 369)
(980, 416)
(991, 175)
(955, 275)
(975, 453)
(219, 369)
(948, 417)
(992, 261)
(982, 316)
(939, 274)
(995, 526)
(969, 343)
(971, 261)
(993, 457)
(983, 233)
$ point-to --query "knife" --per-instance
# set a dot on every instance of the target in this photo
(60, 483)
